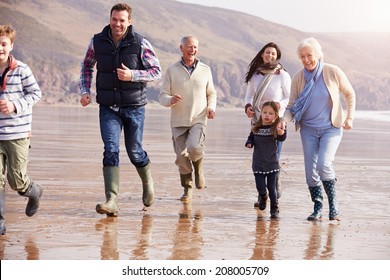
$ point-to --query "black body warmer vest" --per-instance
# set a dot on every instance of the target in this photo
(110, 90)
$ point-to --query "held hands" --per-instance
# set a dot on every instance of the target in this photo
(7, 107)
(281, 127)
(124, 73)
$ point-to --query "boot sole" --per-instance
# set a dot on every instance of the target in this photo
(314, 219)
(185, 199)
(105, 211)
(148, 200)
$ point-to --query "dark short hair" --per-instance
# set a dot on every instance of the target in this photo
(122, 7)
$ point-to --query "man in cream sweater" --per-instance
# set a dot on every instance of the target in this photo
(188, 89)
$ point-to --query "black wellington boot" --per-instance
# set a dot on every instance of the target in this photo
(34, 193)
(316, 197)
(330, 190)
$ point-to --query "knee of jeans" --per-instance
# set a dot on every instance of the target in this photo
(325, 171)
(311, 182)
(139, 159)
(111, 159)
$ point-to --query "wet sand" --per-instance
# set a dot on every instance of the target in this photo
(220, 223)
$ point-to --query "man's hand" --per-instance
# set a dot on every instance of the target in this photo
(176, 99)
(210, 113)
(85, 99)
(124, 73)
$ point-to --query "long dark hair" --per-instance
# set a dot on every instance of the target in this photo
(258, 61)
(259, 122)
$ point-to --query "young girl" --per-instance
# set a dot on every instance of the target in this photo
(265, 132)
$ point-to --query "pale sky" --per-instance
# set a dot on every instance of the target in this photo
(314, 15)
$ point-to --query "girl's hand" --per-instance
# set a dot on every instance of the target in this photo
(249, 146)
(280, 130)
(249, 112)
(281, 127)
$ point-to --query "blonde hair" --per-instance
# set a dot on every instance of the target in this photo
(9, 31)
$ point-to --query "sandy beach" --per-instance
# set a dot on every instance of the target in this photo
(220, 223)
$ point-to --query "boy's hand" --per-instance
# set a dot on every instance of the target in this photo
(249, 146)
(6, 107)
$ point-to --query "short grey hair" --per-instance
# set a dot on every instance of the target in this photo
(186, 37)
(313, 44)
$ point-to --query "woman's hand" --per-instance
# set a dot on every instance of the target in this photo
(348, 124)
(249, 112)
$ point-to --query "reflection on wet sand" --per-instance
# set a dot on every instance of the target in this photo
(66, 159)
(2, 248)
(140, 252)
(109, 248)
(187, 240)
(266, 237)
(31, 249)
(313, 251)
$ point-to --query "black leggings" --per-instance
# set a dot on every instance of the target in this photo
(267, 181)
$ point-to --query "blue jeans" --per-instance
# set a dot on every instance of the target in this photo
(279, 145)
(319, 150)
(131, 119)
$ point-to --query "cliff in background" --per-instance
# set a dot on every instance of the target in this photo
(52, 37)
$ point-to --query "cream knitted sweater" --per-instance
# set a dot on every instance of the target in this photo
(336, 82)
(197, 90)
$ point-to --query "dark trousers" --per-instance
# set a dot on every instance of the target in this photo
(266, 182)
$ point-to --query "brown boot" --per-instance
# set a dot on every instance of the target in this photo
(186, 182)
(200, 181)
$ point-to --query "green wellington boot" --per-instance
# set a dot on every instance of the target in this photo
(111, 188)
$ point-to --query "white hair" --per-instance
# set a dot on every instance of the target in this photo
(185, 38)
(313, 44)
